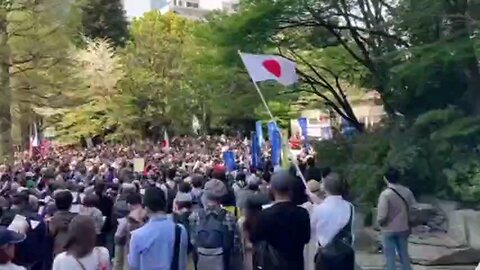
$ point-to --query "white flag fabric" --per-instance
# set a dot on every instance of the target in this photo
(270, 67)
(195, 124)
(166, 140)
(34, 140)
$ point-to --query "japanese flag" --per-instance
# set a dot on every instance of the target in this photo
(166, 140)
(270, 67)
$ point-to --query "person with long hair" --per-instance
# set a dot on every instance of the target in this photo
(81, 252)
(247, 223)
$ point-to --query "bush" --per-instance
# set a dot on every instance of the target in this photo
(437, 154)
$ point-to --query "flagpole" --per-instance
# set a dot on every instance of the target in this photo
(292, 156)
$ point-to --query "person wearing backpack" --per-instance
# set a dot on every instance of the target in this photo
(214, 232)
(332, 227)
(394, 206)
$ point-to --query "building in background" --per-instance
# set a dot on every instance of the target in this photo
(368, 109)
(192, 9)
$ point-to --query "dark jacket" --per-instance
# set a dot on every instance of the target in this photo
(58, 230)
(313, 173)
(183, 219)
(31, 252)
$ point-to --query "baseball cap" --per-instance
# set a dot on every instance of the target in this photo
(215, 189)
(10, 237)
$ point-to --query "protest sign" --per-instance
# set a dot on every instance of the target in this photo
(139, 165)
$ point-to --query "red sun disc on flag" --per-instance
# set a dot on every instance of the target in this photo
(273, 67)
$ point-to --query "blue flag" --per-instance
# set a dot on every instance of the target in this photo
(229, 159)
(271, 126)
(259, 131)
(302, 122)
(276, 148)
(255, 151)
(275, 143)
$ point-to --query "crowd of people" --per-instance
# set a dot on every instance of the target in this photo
(89, 209)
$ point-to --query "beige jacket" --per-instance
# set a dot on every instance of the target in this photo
(392, 212)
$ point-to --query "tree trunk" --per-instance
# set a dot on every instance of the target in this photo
(26, 117)
(5, 91)
(206, 119)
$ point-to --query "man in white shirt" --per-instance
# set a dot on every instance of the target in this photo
(333, 216)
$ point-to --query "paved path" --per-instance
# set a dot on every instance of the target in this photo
(367, 261)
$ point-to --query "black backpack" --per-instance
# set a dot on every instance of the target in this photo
(266, 257)
(339, 253)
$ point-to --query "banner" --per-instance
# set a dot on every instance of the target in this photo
(276, 148)
(275, 143)
(254, 150)
(285, 150)
(259, 132)
(271, 126)
(138, 165)
(327, 133)
(302, 122)
(229, 159)
(347, 129)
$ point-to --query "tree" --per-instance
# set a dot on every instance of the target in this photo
(155, 78)
(104, 19)
(40, 37)
(318, 75)
(5, 90)
(98, 69)
(27, 56)
(221, 93)
(436, 70)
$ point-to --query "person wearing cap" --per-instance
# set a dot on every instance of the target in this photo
(214, 194)
(32, 251)
(183, 206)
(332, 224)
(8, 240)
(310, 251)
(284, 225)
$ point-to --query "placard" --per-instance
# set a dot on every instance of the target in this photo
(139, 165)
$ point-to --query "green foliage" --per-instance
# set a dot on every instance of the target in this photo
(35, 68)
(282, 112)
(98, 69)
(437, 154)
(104, 19)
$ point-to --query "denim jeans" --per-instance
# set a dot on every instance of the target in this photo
(396, 243)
